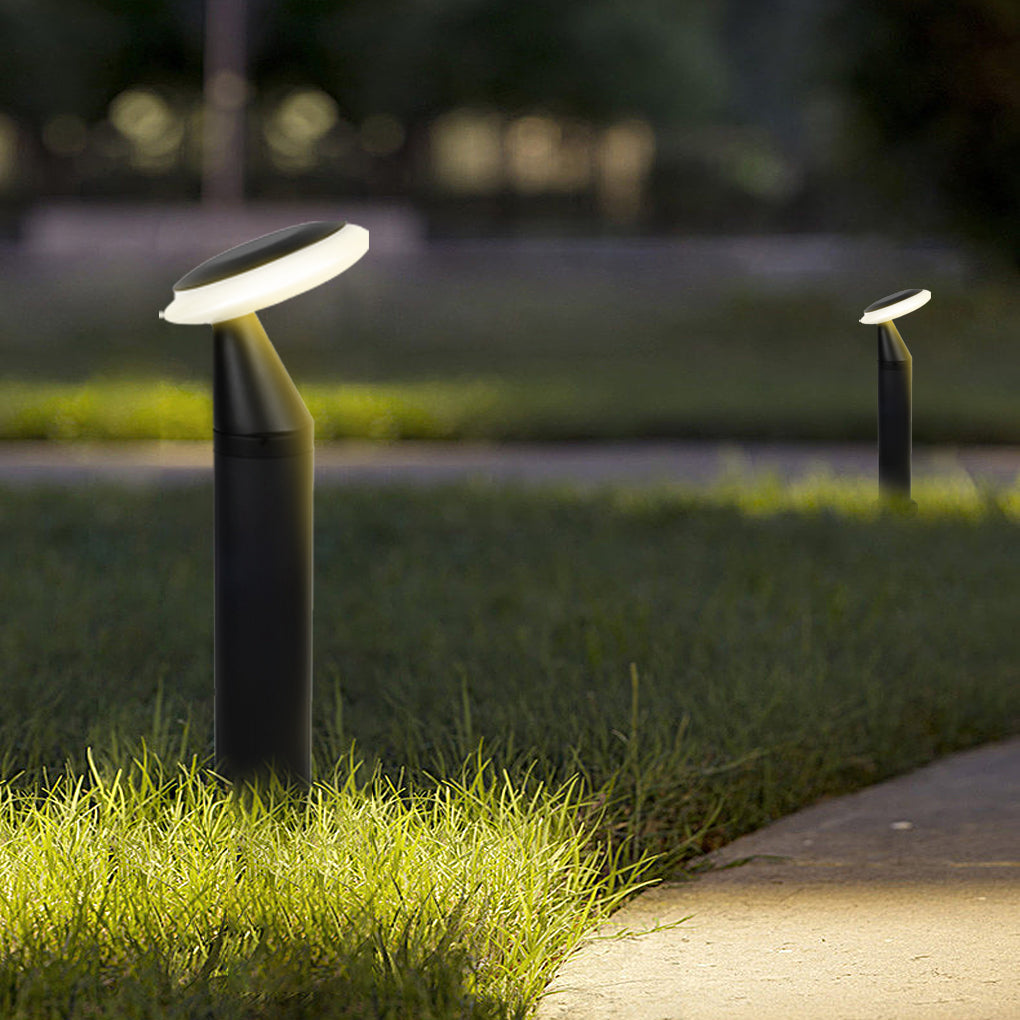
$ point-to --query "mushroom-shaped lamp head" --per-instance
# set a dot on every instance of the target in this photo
(892, 307)
(265, 272)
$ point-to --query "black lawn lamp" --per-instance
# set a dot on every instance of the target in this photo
(895, 383)
(263, 477)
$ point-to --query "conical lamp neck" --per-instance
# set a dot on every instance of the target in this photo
(891, 348)
(253, 396)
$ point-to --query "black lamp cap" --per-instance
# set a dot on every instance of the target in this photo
(892, 299)
(259, 252)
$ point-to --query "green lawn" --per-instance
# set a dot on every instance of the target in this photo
(544, 687)
(390, 354)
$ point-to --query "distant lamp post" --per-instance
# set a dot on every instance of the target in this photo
(894, 391)
(263, 473)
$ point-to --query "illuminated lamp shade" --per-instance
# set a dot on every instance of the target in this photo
(895, 393)
(894, 306)
(265, 271)
(263, 474)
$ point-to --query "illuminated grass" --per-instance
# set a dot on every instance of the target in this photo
(151, 409)
(477, 408)
(952, 496)
(142, 891)
(648, 672)
(108, 410)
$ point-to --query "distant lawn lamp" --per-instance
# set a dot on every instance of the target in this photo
(894, 392)
(263, 457)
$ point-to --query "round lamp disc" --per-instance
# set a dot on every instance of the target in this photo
(895, 305)
(265, 271)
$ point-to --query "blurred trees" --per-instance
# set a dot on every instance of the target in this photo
(937, 84)
(562, 69)
(62, 62)
(788, 115)
(52, 57)
(356, 83)
(73, 56)
(597, 59)
(592, 58)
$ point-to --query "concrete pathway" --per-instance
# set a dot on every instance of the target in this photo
(900, 902)
(424, 462)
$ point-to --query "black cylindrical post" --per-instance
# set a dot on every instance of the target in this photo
(263, 604)
(894, 413)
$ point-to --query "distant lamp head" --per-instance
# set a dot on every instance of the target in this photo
(264, 272)
(895, 305)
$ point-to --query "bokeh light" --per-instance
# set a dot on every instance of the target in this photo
(467, 151)
(152, 128)
(294, 129)
(626, 151)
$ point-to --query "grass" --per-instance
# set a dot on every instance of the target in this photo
(545, 688)
(149, 894)
(456, 352)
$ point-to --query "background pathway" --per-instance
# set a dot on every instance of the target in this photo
(424, 462)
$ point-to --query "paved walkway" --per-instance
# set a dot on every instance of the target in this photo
(900, 902)
(424, 462)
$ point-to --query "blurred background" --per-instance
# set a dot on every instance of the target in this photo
(589, 218)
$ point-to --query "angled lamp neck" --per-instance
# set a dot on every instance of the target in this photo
(256, 405)
(891, 348)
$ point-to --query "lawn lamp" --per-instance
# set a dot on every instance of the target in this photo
(894, 391)
(263, 475)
